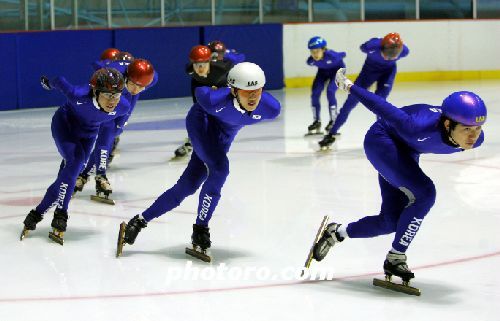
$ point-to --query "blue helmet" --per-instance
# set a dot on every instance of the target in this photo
(316, 42)
(465, 107)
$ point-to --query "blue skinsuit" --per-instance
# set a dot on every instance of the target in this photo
(393, 145)
(375, 69)
(327, 68)
(212, 123)
(74, 128)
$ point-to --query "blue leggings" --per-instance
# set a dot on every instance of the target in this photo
(318, 85)
(100, 155)
(75, 152)
(208, 165)
(407, 193)
(366, 78)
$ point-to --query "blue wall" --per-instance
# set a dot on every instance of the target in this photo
(261, 44)
(8, 70)
(69, 54)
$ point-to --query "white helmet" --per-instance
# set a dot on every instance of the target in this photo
(246, 76)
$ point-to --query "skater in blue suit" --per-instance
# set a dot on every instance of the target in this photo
(328, 62)
(393, 146)
(74, 128)
(212, 124)
(139, 76)
(380, 67)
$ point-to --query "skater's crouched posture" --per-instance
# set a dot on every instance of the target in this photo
(393, 145)
(212, 123)
(74, 128)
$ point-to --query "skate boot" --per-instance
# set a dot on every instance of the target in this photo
(395, 264)
(329, 126)
(30, 222)
(103, 187)
(81, 180)
(128, 233)
(59, 223)
(321, 229)
(184, 150)
(326, 142)
(314, 128)
(201, 242)
(327, 240)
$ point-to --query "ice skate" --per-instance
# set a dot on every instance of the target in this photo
(329, 126)
(59, 223)
(30, 223)
(81, 180)
(329, 238)
(183, 151)
(128, 233)
(395, 264)
(201, 242)
(316, 239)
(102, 189)
(327, 141)
(314, 129)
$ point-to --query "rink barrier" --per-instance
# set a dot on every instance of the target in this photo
(300, 82)
(261, 44)
(69, 53)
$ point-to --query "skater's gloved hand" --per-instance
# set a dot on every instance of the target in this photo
(44, 81)
(342, 81)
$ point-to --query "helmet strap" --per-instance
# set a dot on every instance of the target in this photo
(97, 93)
(446, 132)
(238, 99)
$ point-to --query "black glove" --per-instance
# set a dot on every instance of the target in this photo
(44, 81)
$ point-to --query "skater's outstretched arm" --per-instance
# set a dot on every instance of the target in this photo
(64, 86)
(395, 116)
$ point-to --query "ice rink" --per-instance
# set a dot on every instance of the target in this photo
(273, 201)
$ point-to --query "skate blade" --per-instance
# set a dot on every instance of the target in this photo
(194, 252)
(101, 199)
(321, 229)
(313, 134)
(24, 233)
(57, 237)
(396, 287)
(325, 149)
(177, 159)
(120, 242)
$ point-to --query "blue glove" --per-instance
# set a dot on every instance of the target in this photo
(44, 81)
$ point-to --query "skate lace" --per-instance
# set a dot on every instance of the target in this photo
(80, 181)
(398, 260)
(103, 182)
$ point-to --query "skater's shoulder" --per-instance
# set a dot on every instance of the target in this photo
(270, 103)
(330, 53)
(123, 106)
(422, 109)
(423, 115)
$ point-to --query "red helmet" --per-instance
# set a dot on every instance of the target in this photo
(109, 54)
(123, 55)
(200, 54)
(392, 45)
(107, 80)
(140, 72)
(217, 46)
